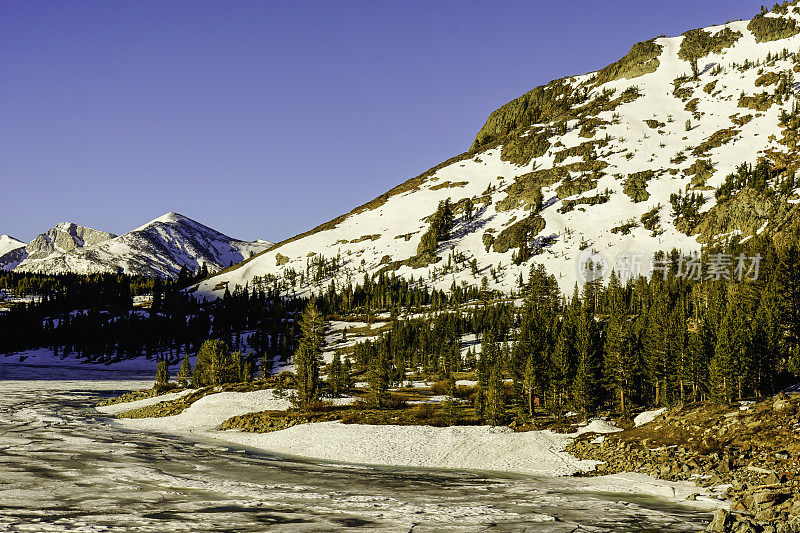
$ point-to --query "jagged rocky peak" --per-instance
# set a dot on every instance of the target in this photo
(64, 237)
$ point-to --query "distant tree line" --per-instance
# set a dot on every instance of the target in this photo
(642, 343)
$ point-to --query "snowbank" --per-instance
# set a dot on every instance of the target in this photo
(636, 483)
(480, 448)
(204, 415)
(116, 408)
(461, 447)
(208, 412)
(598, 425)
(647, 416)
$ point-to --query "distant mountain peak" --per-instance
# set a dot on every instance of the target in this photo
(159, 248)
(8, 238)
(172, 216)
(66, 226)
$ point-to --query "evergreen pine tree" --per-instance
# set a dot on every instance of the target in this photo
(789, 270)
(247, 368)
(337, 379)
(659, 342)
(529, 355)
(489, 353)
(266, 364)
(307, 356)
(237, 366)
(586, 387)
(494, 392)
(185, 373)
(213, 365)
(730, 346)
(379, 376)
(564, 357)
(766, 340)
(619, 360)
(162, 375)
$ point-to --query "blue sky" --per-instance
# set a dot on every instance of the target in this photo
(264, 119)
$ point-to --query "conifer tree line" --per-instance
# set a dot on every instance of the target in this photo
(92, 316)
(71, 323)
(643, 343)
(619, 346)
(762, 178)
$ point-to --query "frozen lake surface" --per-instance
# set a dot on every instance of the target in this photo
(64, 466)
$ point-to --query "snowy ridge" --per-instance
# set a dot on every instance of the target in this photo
(8, 244)
(12, 252)
(663, 121)
(159, 248)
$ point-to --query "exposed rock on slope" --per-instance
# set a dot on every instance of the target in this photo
(603, 151)
(54, 242)
(745, 214)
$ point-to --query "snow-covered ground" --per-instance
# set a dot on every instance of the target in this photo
(462, 447)
(42, 364)
(459, 447)
(647, 416)
(117, 408)
(210, 411)
(474, 448)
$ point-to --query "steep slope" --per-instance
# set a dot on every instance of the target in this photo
(159, 248)
(607, 150)
(8, 243)
(12, 252)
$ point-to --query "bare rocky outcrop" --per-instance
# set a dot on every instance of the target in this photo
(752, 449)
(63, 238)
(748, 212)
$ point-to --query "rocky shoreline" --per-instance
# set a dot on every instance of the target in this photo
(749, 451)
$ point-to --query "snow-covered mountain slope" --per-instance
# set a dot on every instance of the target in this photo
(12, 252)
(8, 243)
(607, 150)
(159, 248)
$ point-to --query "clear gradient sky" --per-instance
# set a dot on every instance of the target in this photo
(264, 119)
